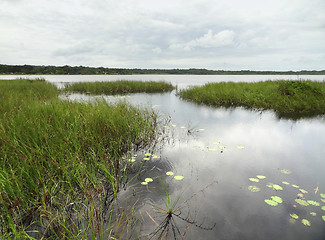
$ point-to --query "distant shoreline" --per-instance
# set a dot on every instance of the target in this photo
(81, 70)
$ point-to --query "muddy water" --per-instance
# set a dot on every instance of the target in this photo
(220, 152)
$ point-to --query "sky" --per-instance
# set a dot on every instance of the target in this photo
(275, 35)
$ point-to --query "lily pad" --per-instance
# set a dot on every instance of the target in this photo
(178, 177)
(323, 200)
(254, 189)
(313, 214)
(277, 199)
(146, 159)
(305, 222)
(285, 171)
(322, 195)
(201, 129)
(323, 217)
(132, 160)
(148, 180)
(303, 191)
(300, 195)
(260, 177)
(271, 202)
(254, 179)
(148, 154)
(323, 208)
(270, 185)
(183, 127)
(277, 187)
(240, 147)
(155, 157)
(285, 183)
(293, 215)
(169, 173)
(222, 147)
(302, 202)
(295, 186)
(314, 203)
(144, 183)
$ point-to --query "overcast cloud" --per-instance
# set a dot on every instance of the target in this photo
(213, 34)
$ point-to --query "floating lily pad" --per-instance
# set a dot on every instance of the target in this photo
(271, 202)
(295, 186)
(169, 173)
(270, 185)
(305, 222)
(303, 191)
(148, 180)
(155, 156)
(148, 154)
(285, 171)
(173, 125)
(260, 177)
(144, 183)
(314, 203)
(323, 208)
(240, 147)
(222, 147)
(300, 195)
(285, 183)
(323, 200)
(293, 215)
(277, 199)
(201, 129)
(254, 189)
(254, 179)
(277, 187)
(323, 217)
(183, 127)
(178, 177)
(146, 159)
(132, 160)
(302, 202)
(313, 214)
(322, 195)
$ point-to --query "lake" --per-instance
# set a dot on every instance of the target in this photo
(245, 174)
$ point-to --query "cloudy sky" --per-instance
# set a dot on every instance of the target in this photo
(212, 34)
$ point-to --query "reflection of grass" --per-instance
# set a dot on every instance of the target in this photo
(290, 99)
(61, 162)
(119, 87)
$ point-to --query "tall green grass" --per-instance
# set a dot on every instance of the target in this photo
(289, 99)
(119, 87)
(61, 162)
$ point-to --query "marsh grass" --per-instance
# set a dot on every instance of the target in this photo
(119, 87)
(289, 99)
(60, 161)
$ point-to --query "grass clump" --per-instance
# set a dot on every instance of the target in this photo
(61, 162)
(289, 99)
(119, 87)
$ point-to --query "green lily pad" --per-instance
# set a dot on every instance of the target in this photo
(144, 183)
(323, 208)
(285, 183)
(277, 187)
(146, 159)
(254, 189)
(323, 200)
(201, 129)
(222, 147)
(271, 202)
(313, 214)
(260, 177)
(178, 177)
(303, 191)
(155, 157)
(314, 203)
(148, 154)
(295, 186)
(293, 215)
(183, 127)
(240, 147)
(300, 195)
(305, 222)
(277, 199)
(254, 179)
(132, 160)
(302, 202)
(285, 171)
(169, 173)
(323, 217)
(270, 185)
(322, 195)
(148, 180)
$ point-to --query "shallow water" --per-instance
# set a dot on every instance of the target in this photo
(217, 151)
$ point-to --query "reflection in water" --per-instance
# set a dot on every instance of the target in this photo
(217, 151)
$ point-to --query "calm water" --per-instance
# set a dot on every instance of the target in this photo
(217, 151)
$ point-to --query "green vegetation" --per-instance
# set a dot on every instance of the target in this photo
(289, 99)
(64, 70)
(61, 162)
(119, 87)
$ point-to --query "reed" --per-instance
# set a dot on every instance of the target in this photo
(289, 99)
(119, 87)
(61, 162)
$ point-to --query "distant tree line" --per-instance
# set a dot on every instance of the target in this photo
(81, 70)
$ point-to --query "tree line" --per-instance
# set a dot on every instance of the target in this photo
(82, 70)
